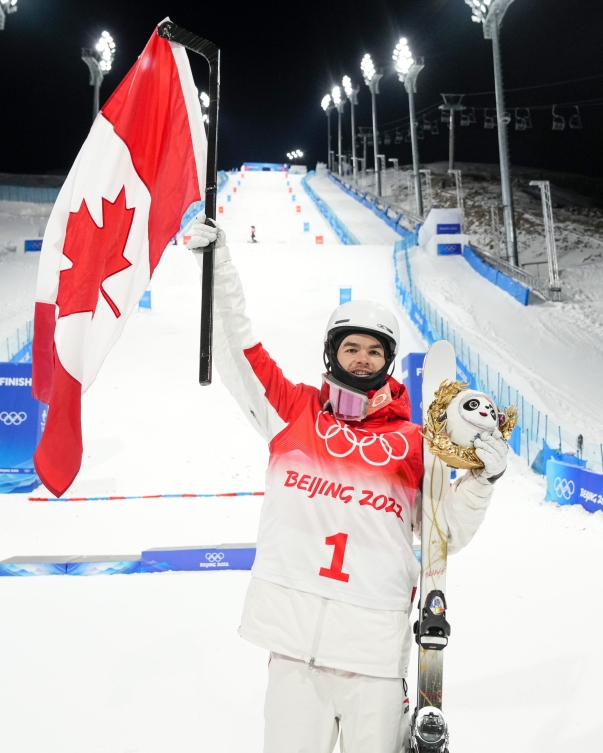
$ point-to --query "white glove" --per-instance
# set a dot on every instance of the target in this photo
(202, 235)
(492, 450)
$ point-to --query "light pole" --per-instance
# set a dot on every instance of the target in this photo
(371, 79)
(491, 13)
(99, 61)
(408, 70)
(328, 107)
(295, 154)
(352, 94)
(339, 102)
(6, 8)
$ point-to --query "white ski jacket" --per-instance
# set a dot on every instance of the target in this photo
(335, 573)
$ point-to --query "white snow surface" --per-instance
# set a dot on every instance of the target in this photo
(360, 220)
(149, 663)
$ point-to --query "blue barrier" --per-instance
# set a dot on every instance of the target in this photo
(32, 195)
(264, 166)
(412, 376)
(344, 235)
(22, 421)
(202, 559)
(568, 484)
(501, 280)
(145, 301)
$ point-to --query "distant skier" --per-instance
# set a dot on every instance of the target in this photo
(334, 574)
(253, 240)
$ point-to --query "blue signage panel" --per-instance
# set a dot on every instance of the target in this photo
(199, 558)
(22, 421)
(35, 244)
(145, 301)
(448, 249)
(412, 376)
(448, 229)
(570, 484)
(345, 295)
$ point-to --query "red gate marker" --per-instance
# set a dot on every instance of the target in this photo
(319, 239)
(220, 210)
(298, 208)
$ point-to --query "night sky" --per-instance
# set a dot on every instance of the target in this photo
(279, 59)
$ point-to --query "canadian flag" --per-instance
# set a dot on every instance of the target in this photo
(141, 167)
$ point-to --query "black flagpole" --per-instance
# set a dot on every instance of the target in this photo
(211, 53)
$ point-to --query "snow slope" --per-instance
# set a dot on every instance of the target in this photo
(551, 352)
(365, 225)
(149, 663)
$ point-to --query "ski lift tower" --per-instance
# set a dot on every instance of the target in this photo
(408, 70)
(371, 79)
(549, 233)
(351, 93)
(99, 61)
(452, 103)
(327, 106)
(490, 13)
(6, 8)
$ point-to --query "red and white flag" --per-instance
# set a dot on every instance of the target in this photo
(141, 167)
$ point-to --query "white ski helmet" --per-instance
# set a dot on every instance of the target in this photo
(365, 316)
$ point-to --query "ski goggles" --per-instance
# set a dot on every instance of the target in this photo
(346, 403)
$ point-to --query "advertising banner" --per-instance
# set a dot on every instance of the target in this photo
(412, 376)
(22, 421)
(199, 558)
(569, 484)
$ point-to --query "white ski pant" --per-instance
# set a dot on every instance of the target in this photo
(306, 710)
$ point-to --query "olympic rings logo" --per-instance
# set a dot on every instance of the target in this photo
(564, 488)
(13, 418)
(371, 439)
(214, 556)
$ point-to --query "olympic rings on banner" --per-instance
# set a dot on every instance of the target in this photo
(214, 556)
(13, 418)
(338, 427)
(564, 488)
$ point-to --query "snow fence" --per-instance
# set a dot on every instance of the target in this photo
(536, 433)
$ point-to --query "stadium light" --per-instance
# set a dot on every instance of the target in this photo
(408, 70)
(371, 79)
(99, 61)
(204, 100)
(6, 8)
(327, 106)
(352, 94)
(490, 13)
(339, 102)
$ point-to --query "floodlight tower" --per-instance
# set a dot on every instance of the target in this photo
(328, 107)
(352, 94)
(6, 8)
(491, 14)
(339, 102)
(371, 79)
(408, 70)
(99, 61)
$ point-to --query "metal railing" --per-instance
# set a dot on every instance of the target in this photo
(16, 342)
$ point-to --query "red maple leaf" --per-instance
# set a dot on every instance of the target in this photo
(96, 253)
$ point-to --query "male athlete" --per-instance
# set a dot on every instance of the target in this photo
(331, 588)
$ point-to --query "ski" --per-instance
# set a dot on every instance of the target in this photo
(429, 731)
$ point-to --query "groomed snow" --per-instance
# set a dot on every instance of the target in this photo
(149, 663)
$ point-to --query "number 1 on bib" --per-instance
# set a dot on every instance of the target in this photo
(429, 731)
